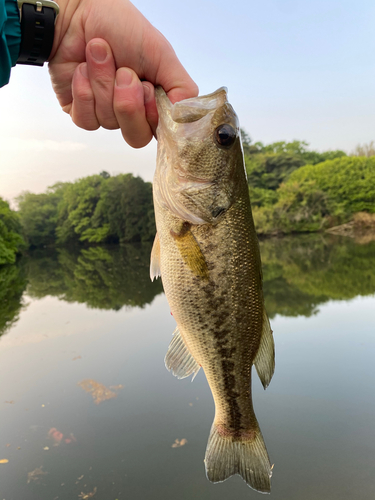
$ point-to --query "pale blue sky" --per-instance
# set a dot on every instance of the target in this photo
(294, 69)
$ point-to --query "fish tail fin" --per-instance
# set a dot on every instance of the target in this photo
(246, 456)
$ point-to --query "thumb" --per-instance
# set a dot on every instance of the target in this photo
(187, 90)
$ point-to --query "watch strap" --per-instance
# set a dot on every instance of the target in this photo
(37, 31)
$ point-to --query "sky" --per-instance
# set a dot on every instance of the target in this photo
(294, 69)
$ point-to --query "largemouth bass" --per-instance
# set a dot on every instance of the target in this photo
(207, 254)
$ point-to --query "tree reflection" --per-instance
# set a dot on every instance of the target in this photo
(302, 272)
(12, 285)
(299, 274)
(101, 277)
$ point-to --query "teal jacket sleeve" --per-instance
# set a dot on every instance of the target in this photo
(10, 38)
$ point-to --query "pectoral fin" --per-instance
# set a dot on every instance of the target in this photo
(178, 359)
(265, 359)
(190, 251)
(155, 259)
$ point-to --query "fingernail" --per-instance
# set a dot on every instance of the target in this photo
(124, 77)
(98, 52)
(146, 93)
(83, 70)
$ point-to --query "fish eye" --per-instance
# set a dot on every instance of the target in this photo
(225, 135)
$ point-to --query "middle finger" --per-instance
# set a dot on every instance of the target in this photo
(101, 71)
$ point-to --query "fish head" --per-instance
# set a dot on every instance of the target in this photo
(200, 158)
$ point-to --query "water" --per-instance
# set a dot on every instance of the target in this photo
(88, 410)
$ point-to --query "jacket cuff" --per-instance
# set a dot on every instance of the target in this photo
(10, 38)
(13, 30)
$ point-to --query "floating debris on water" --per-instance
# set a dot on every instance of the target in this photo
(179, 443)
(86, 496)
(36, 475)
(58, 437)
(98, 391)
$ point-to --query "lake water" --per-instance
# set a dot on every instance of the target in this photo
(88, 410)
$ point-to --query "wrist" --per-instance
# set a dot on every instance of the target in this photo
(67, 11)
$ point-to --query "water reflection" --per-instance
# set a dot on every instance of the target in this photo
(302, 272)
(299, 274)
(60, 360)
(103, 278)
(12, 286)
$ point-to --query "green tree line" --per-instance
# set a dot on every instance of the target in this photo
(292, 189)
(94, 209)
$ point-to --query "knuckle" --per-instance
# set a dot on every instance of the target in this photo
(84, 95)
(127, 107)
(84, 119)
(102, 80)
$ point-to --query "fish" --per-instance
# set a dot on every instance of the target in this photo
(207, 254)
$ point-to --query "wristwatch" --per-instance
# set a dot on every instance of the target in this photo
(38, 19)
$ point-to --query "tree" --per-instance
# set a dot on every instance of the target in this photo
(105, 174)
(127, 205)
(320, 196)
(39, 215)
(365, 149)
(269, 165)
(78, 218)
(11, 241)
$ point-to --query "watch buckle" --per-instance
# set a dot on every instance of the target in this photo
(39, 6)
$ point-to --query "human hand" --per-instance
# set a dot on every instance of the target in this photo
(92, 39)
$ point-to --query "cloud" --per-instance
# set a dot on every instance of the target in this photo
(16, 144)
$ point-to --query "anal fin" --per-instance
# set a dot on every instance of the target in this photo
(265, 359)
(178, 359)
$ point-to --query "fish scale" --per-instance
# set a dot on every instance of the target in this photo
(207, 254)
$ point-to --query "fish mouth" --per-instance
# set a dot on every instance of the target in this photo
(188, 110)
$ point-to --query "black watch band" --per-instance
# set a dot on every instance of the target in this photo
(38, 19)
